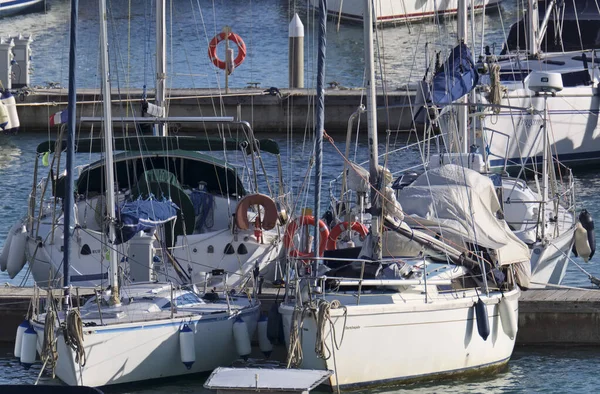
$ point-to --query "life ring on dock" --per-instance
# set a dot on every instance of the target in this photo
(339, 228)
(212, 50)
(270, 217)
(292, 228)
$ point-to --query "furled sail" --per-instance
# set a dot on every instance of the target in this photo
(455, 78)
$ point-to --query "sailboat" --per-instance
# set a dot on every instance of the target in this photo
(133, 331)
(222, 222)
(445, 303)
(555, 37)
(542, 216)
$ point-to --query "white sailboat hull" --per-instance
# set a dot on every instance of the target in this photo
(397, 11)
(573, 130)
(130, 352)
(549, 262)
(407, 340)
(198, 254)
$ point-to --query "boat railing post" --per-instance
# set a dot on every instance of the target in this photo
(425, 279)
(362, 273)
(32, 196)
(225, 276)
(205, 282)
(172, 306)
(98, 305)
(288, 267)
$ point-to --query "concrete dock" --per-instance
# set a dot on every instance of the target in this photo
(268, 110)
(563, 316)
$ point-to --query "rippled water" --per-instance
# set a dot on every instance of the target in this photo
(263, 25)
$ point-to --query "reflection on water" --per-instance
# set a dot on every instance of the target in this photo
(9, 152)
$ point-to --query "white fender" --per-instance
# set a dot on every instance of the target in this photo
(19, 338)
(241, 338)
(28, 347)
(6, 248)
(264, 343)
(11, 108)
(187, 347)
(508, 317)
(582, 246)
(16, 253)
(3, 117)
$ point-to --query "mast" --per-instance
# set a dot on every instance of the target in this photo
(319, 121)
(70, 165)
(533, 26)
(545, 165)
(462, 109)
(372, 128)
(161, 62)
(108, 151)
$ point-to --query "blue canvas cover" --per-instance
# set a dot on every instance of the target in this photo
(456, 77)
(142, 215)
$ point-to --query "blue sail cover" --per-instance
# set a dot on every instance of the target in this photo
(456, 78)
(142, 215)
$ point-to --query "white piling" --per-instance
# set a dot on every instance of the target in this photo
(296, 53)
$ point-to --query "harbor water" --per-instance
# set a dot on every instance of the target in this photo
(263, 25)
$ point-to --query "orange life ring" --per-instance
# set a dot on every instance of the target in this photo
(212, 50)
(340, 228)
(269, 220)
(293, 226)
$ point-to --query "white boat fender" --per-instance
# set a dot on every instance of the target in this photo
(16, 253)
(3, 117)
(19, 337)
(588, 224)
(581, 246)
(6, 248)
(11, 108)
(508, 317)
(241, 338)
(28, 347)
(187, 347)
(481, 315)
(264, 343)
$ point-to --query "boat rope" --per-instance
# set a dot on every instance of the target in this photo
(496, 88)
(323, 317)
(49, 352)
(595, 280)
(74, 335)
(294, 353)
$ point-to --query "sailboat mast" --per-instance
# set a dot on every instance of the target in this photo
(372, 129)
(161, 61)
(108, 151)
(462, 109)
(319, 119)
(533, 26)
(70, 166)
(545, 167)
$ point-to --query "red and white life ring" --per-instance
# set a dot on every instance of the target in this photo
(212, 49)
(340, 228)
(292, 228)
